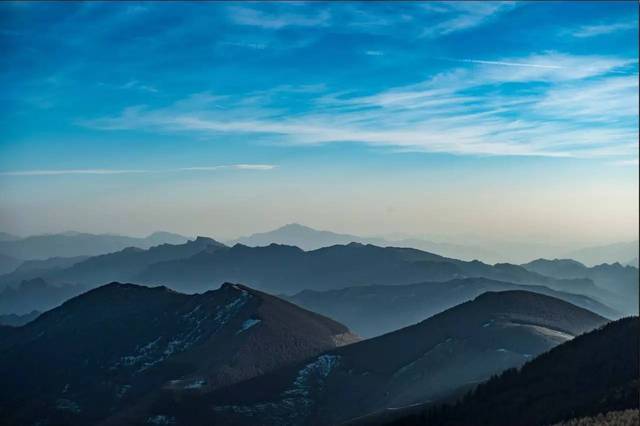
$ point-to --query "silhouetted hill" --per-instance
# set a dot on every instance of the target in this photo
(374, 310)
(611, 253)
(126, 264)
(8, 263)
(5, 236)
(30, 269)
(312, 239)
(19, 320)
(594, 373)
(286, 269)
(615, 278)
(36, 294)
(116, 345)
(80, 244)
(427, 361)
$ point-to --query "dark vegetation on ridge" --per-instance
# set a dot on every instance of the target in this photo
(594, 373)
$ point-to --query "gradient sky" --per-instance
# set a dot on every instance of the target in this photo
(501, 120)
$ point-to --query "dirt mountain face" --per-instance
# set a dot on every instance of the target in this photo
(111, 348)
(429, 361)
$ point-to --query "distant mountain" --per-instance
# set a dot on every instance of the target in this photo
(301, 236)
(374, 310)
(4, 236)
(427, 361)
(30, 269)
(35, 294)
(80, 244)
(18, 320)
(125, 264)
(119, 346)
(200, 264)
(616, 278)
(286, 269)
(311, 239)
(612, 253)
(594, 373)
(8, 263)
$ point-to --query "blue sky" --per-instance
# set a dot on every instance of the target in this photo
(226, 118)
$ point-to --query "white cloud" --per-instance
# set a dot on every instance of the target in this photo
(575, 106)
(252, 17)
(460, 15)
(605, 28)
(125, 171)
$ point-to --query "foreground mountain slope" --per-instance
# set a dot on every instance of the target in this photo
(594, 373)
(110, 348)
(374, 310)
(428, 361)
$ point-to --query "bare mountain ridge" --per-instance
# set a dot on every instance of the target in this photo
(113, 346)
(427, 361)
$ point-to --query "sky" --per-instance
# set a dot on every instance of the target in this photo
(498, 120)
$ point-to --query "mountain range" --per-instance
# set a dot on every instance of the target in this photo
(70, 244)
(116, 346)
(378, 309)
(429, 361)
(197, 265)
(470, 249)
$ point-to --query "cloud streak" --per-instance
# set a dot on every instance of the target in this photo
(138, 171)
(578, 107)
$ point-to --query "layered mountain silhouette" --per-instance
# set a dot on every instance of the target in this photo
(592, 374)
(287, 269)
(615, 278)
(203, 263)
(374, 310)
(117, 346)
(428, 361)
(36, 294)
(8, 263)
(312, 239)
(18, 320)
(72, 244)
(611, 253)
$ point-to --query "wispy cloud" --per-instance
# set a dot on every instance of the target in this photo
(131, 171)
(70, 172)
(244, 15)
(508, 64)
(136, 85)
(563, 106)
(603, 28)
(460, 16)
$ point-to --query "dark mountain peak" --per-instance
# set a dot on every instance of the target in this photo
(205, 241)
(295, 227)
(132, 250)
(107, 348)
(235, 287)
